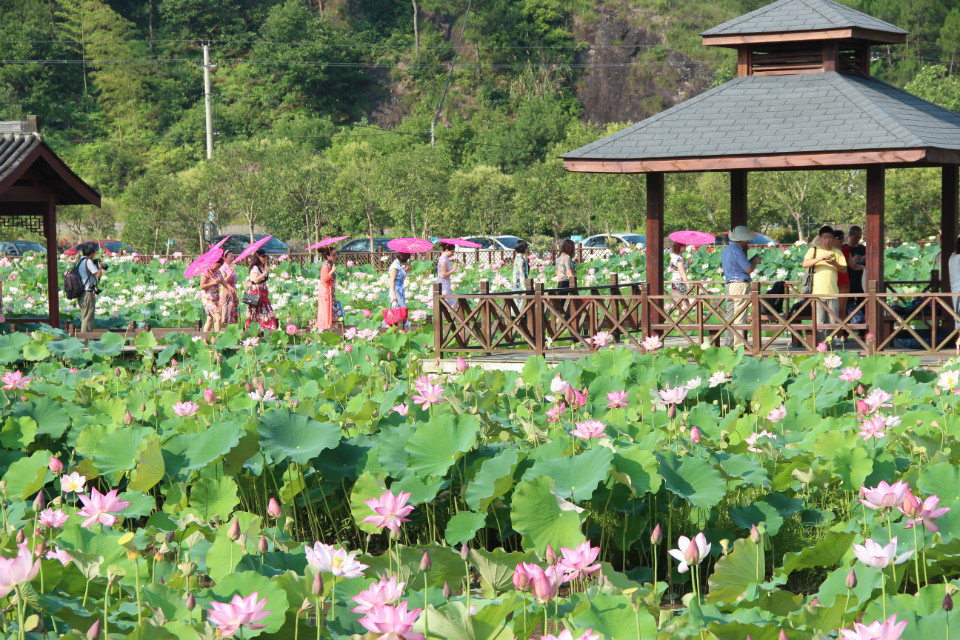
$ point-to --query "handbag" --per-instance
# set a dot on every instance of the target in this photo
(806, 286)
(250, 299)
(397, 315)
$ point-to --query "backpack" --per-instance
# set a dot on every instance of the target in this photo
(72, 285)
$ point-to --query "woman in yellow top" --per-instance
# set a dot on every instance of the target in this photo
(827, 262)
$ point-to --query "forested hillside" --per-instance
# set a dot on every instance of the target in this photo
(323, 109)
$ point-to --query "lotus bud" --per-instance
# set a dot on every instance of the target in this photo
(138, 377)
(199, 380)
(94, 631)
(465, 552)
(317, 586)
(143, 407)
(813, 376)
(116, 372)
(161, 581)
(462, 365)
(860, 389)
(242, 540)
(754, 533)
(783, 635)
(170, 536)
(55, 465)
(814, 601)
(249, 387)
(41, 549)
(295, 402)
(39, 502)
(262, 545)
(551, 556)
(657, 535)
(191, 602)
(273, 508)
(911, 506)
(368, 357)
(851, 581)
(209, 396)
(425, 562)
(20, 536)
(234, 531)
(348, 348)
(127, 418)
(695, 435)
(446, 591)
(672, 411)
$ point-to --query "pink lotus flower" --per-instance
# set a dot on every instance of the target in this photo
(291, 329)
(59, 555)
(241, 612)
(392, 623)
(651, 343)
(391, 511)
(558, 386)
(14, 380)
(877, 399)
(401, 409)
(718, 378)
(19, 569)
(55, 465)
(822, 347)
(52, 519)
(888, 630)
(544, 583)
(367, 314)
(567, 635)
(675, 395)
(921, 512)
(72, 482)
(185, 409)
(690, 552)
(751, 439)
(462, 365)
(328, 559)
(830, 363)
(428, 394)
(883, 496)
(601, 339)
(554, 412)
(378, 594)
(521, 576)
(873, 555)
(778, 414)
(851, 374)
(262, 396)
(618, 399)
(101, 508)
(590, 429)
(576, 563)
(874, 427)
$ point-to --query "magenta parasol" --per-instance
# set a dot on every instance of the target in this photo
(220, 244)
(204, 262)
(410, 245)
(327, 241)
(252, 247)
(693, 238)
(460, 242)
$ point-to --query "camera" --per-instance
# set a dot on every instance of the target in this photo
(100, 264)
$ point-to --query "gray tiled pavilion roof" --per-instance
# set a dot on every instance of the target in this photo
(765, 115)
(14, 147)
(785, 16)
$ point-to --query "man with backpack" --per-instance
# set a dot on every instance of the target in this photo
(89, 273)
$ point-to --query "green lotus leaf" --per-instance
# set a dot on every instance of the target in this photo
(366, 487)
(18, 432)
(692, 479)
(496, 569)
(494, 479)
(188, 452)
(537, 514)
(827, 553)
(35, 351)
(637, 467)
(575, 478)
(214, 497)
(438, 444)
(51, 416)
(26, 476)
(737, 574)
(112, 449)
(613, 616)
(419, 490)
(758, 513)
(287, 435)
(463, 526)
(752, 373)
(108, 346)
(746, 467)
(11, 346)
(66, 349)
(245, 583)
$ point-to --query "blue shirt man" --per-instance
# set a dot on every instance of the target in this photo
(736, 267)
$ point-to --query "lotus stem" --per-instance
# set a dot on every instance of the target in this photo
(426, 599)
(136, 564)
(916, 558)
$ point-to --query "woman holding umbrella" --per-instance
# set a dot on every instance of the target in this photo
(328, 282)
(228, 291)
(679, 268)
(262, 312)
(445, 269)
(210, 282)
(398, 278)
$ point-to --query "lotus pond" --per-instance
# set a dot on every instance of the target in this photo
(288, 487)
(156, 292)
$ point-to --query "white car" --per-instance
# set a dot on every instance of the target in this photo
(503, 243)
(602, 240)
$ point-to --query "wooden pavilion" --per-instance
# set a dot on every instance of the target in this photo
(803, 99)
(33, 181)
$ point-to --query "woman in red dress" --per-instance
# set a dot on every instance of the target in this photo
(328, 282)
(262, 313)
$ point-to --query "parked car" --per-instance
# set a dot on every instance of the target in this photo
(619, 240)
(104, 248)
(502, 243)
(362, 245)
(759, 240)
(21, 247)
(239, 241)
(117, 247)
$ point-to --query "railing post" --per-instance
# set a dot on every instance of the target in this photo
(873, 316)
(615, 291)
(485, 315)
(755, 318)
(646, 315)
(437, 329)
(538, 323)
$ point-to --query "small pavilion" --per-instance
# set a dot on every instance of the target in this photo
(33, 181)
(803, 99)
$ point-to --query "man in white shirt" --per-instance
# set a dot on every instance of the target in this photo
(89, 272)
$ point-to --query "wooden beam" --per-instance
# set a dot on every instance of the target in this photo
(21, 193)
(655, 201)
(53, 274)
(830, 54)
(738, 198)
(755, 163)
(743, 62)
(876, 236)
(867, 35)
(948, 222)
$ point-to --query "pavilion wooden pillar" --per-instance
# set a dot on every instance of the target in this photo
(738, 198)
(655, 198)
(875, 232)
(53, 274)
(948, 222)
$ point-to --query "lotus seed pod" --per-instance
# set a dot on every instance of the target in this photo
(262, 545)
(187, 568)
(947, 603)
(317, 587)
(94, 631)
(754, 533)
(446, 591)
(851, 581)
(234, 531)
(191, 602)
(657, 535)
(425, 562)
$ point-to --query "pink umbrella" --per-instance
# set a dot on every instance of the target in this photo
(693, 238)
(252, 247)
(410, 245)
(220, 244)
(326, 241)
(460, 242)
(204, 262)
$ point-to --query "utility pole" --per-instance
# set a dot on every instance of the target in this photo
(446, 87)
(206, 98)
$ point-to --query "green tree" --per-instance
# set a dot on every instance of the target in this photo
(243, 178)
(413, 188)
(481, 201)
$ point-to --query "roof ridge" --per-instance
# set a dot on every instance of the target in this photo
(732, 22)
(843, 84)
(816, 9)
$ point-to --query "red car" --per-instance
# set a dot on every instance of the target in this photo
(107, 248)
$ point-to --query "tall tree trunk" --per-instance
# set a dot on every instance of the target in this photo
(416, 28)
(800, 234)
(151, 26)
(53, 24)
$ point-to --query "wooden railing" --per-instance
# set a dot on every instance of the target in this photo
(539, 320)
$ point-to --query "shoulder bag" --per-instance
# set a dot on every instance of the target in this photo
(806, 287)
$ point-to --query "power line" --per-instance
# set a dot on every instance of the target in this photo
(364, 65)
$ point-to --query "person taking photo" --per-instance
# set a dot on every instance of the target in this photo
(90, 272)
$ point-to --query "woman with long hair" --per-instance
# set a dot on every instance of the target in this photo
(262, 312)
(679, 281)
(228, 291)
(521, 266)
(210, 282)
(566, 269)
(398, 282)
(954, 266)
(328, 282)
(445, 268)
